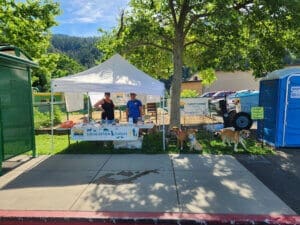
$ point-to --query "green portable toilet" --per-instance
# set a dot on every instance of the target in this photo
(16, 112)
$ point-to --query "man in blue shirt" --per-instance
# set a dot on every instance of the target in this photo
(134, 108)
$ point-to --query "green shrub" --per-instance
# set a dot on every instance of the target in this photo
(42, 120)
(152, 143)
(57, 115)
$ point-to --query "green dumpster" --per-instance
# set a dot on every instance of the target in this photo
(16, 112)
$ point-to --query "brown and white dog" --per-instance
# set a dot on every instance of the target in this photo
(229, 136)
(194, 144)
(182, 136)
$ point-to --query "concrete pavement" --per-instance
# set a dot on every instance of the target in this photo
(137, 183)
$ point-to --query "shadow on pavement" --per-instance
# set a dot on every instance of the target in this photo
(136, 182)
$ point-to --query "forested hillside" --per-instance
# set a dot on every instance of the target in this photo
(82, 49)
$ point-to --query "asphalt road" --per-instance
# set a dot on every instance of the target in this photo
(279, 172)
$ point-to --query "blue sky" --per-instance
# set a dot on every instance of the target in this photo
(85, 17)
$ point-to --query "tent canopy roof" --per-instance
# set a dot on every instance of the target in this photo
(114, 75)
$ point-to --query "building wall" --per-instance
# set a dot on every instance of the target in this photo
(192, 85)
(234, 81)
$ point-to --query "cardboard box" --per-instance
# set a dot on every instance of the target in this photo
(129, 144)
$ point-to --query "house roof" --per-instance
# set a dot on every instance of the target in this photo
(233, 81)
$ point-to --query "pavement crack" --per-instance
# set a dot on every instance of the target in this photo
(91, 181)
(176, 188)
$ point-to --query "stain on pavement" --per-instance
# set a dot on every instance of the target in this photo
(122, 177)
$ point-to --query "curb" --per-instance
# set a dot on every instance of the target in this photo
(13, 217)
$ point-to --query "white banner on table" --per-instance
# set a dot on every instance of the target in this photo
(104, 133)
(193, 106)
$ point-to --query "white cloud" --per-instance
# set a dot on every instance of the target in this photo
(91, 11)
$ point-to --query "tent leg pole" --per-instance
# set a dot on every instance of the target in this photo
(164, 128)
(88, 106)
(52, 115)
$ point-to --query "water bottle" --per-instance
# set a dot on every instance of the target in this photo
(130, 120)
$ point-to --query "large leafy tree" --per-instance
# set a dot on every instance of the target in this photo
(162, 36)
(54, 65)
(26, 24)
(150, 59)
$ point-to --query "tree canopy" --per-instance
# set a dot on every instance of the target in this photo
(27, 24)
(54, 65)
(162, 36)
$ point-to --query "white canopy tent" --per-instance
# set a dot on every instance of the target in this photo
(115, 75)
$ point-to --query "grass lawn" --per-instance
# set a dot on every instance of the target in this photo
(61, 146)
(214, 145)
(151, 145)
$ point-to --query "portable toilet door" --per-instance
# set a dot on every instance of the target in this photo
(268, 98)
(291, 125)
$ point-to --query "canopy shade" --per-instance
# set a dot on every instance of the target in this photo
(114, 75)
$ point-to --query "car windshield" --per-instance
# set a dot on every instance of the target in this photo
(208, 94)
(232, 95)
(236, 94)
(217, 94)
(222, 94)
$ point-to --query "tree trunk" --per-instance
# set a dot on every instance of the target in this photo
(176, 81)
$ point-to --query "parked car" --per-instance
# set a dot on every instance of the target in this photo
(222, 94)
(207, 95)
(240, 115)
(231, 99)
(214, 103)
(238, 107)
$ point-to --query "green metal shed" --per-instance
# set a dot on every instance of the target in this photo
(16, 112)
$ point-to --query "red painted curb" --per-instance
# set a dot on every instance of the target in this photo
(13, 217)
